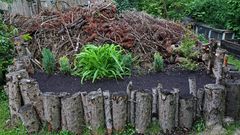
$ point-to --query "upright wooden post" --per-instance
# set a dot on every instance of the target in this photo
(108, 112)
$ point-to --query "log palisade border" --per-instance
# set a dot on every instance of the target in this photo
(102, 109)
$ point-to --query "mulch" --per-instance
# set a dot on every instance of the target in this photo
(171, 79)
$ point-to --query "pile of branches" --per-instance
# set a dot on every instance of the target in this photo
(66, 32)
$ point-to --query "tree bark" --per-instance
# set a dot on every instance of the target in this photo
(143, 111)
(63, 113)
(108, 112)
(155, 103)
(51, 105)
(218, 65)
(85, 108)
(186, 113)
(200, 99)
(31, 94)
(167, 110)
(193, 91)
(132, 107)
(119, 110)
(129, 90)
(29, 118)
(214, 106)
(233, 99)
(73, 113)
(95, 109)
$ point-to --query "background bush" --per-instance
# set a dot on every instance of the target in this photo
(96, 62)
(65, 66)
(6, 48)
(48, 61)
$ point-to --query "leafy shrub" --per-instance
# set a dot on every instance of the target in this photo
(96, 62)
(199, 126)
(48, 61)
(127, 60)
(6, 48)
(65, 66)
(189, 64)
(158, 63)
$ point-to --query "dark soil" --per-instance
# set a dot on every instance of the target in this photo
(174, 79)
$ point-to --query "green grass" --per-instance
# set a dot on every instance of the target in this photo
(231, 128)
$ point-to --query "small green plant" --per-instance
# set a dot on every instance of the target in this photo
(231, 128)
(158, 63)
(128, 130)
(127, 60)
(65, 66)
(48, 61)
(202, 38)
(153, 128)
(96, 62)
(26, 37)
(234, 61)
(189, 64)
(199, 126)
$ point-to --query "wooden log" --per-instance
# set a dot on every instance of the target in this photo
(167, 109)
(218, 65)
(200, 99)
(214, 105)
(186, 113)
(143, 111)
(17, 75)
(119, 110)
(95, 111)
(108, 112)
(132, 107)
(63, 118)
(31, 94)
(192, 86)
(233, 99)
(129, 90)
(85, 108)
(51, 106)
(29, 118)
(26, 60)
(73, 113)
(155, 103)
(6, 88)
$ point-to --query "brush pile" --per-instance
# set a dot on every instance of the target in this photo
(66, 32)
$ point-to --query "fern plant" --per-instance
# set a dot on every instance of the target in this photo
(96, 62)
(158, 62)
(65, 66)
(48, 61)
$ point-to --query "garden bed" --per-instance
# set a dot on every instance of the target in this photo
(172, 79)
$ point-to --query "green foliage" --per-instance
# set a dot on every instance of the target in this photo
(26, 37)
(65, 66)
(217, 13)
(96, 62)
(158, 62)
(199, 126)
(234, 61)
(231, 128)
(127, 61)
(202, 39)
(48, 61)
(189, 64)
(128, 130)
(6, 48)
(153, 129)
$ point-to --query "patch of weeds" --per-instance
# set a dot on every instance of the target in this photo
(154, 128)
(48, 61)
(199, 126)
(234, 61)
(231, 128)
(65, 66)
(96, 62)
(128, 130)
(189, 64)
(158, 63)
(202, 39)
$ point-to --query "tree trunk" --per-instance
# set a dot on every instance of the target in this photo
(132, 106)
(218, 65)
(29, 118)
(129, 90)
(95, 109)
(233, 99)
(200, 99)
(119, 110)
(143, 111)
(108, 112)
(31, 94)
(167, 109)
(186, 113)
(73, 113)
(51, 106)
(214, 106)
